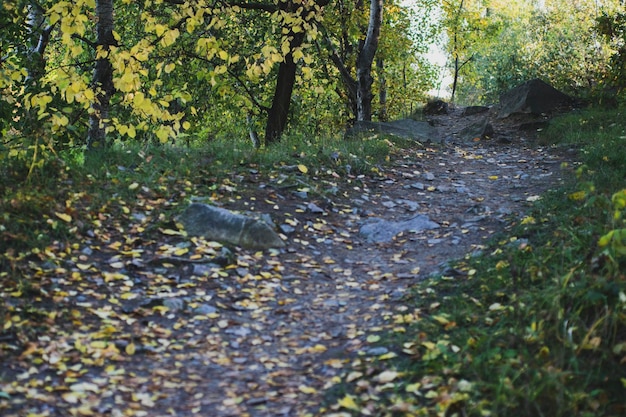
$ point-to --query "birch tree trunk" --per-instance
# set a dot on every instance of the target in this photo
(39, 37)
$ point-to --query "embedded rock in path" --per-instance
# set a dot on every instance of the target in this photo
(224, 226)
(535, 97)
(379, 230)
(482, 129)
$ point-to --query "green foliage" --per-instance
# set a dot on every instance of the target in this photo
(612, 26)
(536, 325)
(507, 43)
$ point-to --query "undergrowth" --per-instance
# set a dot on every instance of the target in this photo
(536, 326)
(52, 195)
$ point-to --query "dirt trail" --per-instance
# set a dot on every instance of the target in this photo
(336, 288)
(266, 336)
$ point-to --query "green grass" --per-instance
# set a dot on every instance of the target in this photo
(536, 326)
(35, 188)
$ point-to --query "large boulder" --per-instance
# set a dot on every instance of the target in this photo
(221, 225)
(535, 97)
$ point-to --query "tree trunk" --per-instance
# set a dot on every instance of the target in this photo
(39, 36)
(278, 113)
(382, 91)
(364, 62)
(102, 82)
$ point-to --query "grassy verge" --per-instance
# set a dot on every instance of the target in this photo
(534, 327)
(49, 197)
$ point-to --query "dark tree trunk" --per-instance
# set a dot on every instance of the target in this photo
(102, 82)
(382, 90)
(278, 113)
(457, 66)
(364, 62)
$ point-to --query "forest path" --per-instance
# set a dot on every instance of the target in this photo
(150, 330)
(337, 288)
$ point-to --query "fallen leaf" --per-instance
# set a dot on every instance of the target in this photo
(64, 216)
(387, 376)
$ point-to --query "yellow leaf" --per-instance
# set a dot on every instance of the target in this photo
(98, 344)
(386, 356)
(307, 390)
(130, 349)
(128, 296)
(70, 397)
(387, 376)
(349, 403)
(170, 232)
(181, 251)
(373, 338)
(303, 169)
(496, 307)
(413, 388)
(441, 320)
(84, 386)
(578, 195)
(133, 186)
(493, 177)
(169, 67)
(428, 345)
(64, 216)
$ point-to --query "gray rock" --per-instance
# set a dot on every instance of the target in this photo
(379, 230)
(481, 129)
(224, 226)
(205, 309)
(534, 96)
(286, 229)
(314, 208)
(174, 304)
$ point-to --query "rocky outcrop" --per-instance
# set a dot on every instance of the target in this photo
(224, 226)
(434, 107)
(535, 97)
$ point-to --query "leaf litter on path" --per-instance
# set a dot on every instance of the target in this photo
(136, 319)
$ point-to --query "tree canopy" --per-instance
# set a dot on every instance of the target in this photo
(88, 72)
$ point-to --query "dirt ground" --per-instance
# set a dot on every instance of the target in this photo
(339, 287)
(277, 327)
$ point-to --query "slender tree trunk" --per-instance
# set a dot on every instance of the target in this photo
(364, 62)
(102, 82)
(457, 67)
(279, 112)
(39, 36)
(382, 91)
